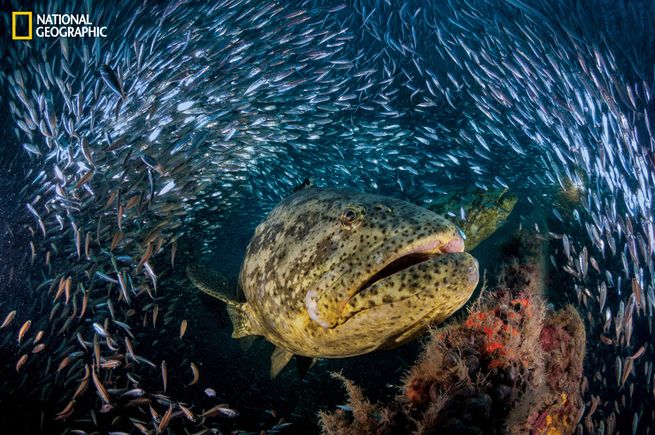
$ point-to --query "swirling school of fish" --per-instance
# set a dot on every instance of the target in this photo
(191, 109)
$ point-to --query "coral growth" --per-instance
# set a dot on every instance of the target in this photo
(482, 366)
(554, 408)
(510, 366)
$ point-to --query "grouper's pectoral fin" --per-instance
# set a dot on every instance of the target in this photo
(279, 359)
(247, 342)
(216, 285)
(241, 323)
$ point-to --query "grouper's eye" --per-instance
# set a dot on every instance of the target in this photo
(352, 216)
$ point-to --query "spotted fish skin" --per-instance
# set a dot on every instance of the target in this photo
(477, 212)
(309, 274)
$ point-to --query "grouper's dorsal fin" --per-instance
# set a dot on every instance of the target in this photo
(215, 284)
(304, 185)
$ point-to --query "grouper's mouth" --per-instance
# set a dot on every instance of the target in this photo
(413, 256)
(351, 289)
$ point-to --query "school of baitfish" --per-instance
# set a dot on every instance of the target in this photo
(135, 150)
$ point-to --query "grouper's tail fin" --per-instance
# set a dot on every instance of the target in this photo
(216, 285)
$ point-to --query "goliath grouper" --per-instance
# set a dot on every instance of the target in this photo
(336, 273)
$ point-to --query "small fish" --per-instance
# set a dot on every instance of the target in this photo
(167, 188)
(100, 330)
(96, 350)
(106, 277)
(64, 363)
(85, 302)
(86, 152)
(8, 319)
(165, 419)
(110, 364)
(84, 179)
(135, 392)
(627, 369)
(187, 412)
(281, 426)
(196, 374)
(164, 375)
(112, 80)
(21, 362)
(220, 409)
(102, 392)
(227, 412)
(23, 330)
(638, 353)
(183, 327)
(32, 149)
(606, 340)
(81, 388)
(67, 411)
(145, 257)
(155, 312)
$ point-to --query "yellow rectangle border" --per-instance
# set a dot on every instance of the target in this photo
(13, 26)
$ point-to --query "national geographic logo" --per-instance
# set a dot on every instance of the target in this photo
(21, 26)
(54, 26)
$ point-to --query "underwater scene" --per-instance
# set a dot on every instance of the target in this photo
(327, 217)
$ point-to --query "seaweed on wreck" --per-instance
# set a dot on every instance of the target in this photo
(367, 417)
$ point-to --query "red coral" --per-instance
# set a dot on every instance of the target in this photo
(488, 331)
(521, 302)
(494, 346)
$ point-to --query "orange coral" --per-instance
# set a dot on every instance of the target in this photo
(492, 347)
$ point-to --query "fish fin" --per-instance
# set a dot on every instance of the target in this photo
(279, 360)
(216, 285)
(304, 185)
(246, 342)
(303, 364)
(240, 320)
(213, 283)
(413, 332)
